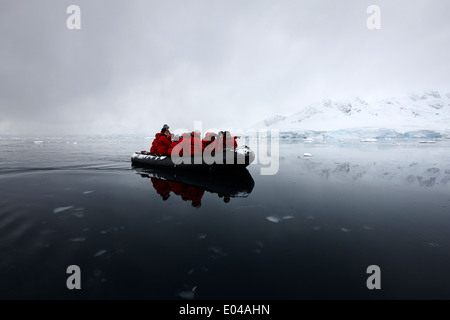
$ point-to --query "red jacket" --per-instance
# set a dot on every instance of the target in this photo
(163, 145)
(196, 144)
(229, 143)
(209, 138)
(173, 144)
(193, 143)
(155, 143)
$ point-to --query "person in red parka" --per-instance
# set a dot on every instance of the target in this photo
(196, 143)
(193, 143)
(176, 140)
(162, 142)
(225, 140)
(208, 139)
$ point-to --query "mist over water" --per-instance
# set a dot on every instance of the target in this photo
(310, 231)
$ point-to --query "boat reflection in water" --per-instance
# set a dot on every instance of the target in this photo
(192, 185)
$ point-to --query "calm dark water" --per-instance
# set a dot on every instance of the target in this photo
(308, 232)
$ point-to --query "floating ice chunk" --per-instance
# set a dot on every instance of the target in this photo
(75, 142)
(427, 141)
(307, 140)
(307, 155)
(38, 141)
(345, 230)
(278, 219)
(87, 192)
(79, 239)
(369, 140)
(99, 253)
(61, 209)
(187, 295)
(273, 219)
(201, 236)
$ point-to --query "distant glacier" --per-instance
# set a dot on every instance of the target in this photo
(423, 116)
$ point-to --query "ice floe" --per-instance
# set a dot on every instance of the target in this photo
(276, 219)
(61, 209)
(99, 253)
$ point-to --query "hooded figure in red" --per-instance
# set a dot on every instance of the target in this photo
(174, 143)
(161, 144)
(210, 137)
(196, 143)
(193, 143)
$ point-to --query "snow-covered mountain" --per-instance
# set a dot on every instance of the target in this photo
(428, 113)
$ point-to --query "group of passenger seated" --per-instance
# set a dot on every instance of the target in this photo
(164, 142)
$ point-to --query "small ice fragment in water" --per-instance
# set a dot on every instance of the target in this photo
(38, 141)
(345, 230)
(434, 245)
(100, 253)
(77, 239)
(316, 228)
(273, 219)
(187, 295)
(287, 217)
(87, 192)
(61, 209)
(307, 155)
(201, 236)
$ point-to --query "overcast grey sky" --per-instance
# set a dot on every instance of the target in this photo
(135, 65)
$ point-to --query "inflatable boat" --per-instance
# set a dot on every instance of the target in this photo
(227, 159)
